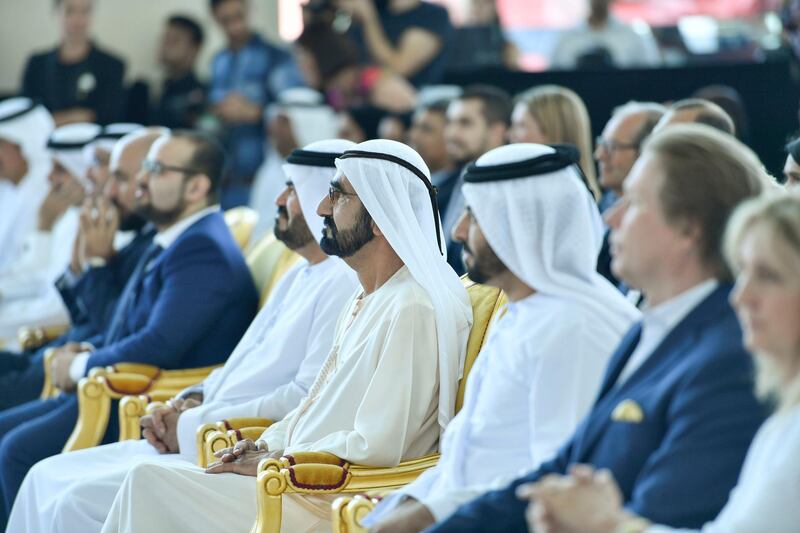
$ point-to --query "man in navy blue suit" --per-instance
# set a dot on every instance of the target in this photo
(90, 296)
(676, 410)
(187, 303)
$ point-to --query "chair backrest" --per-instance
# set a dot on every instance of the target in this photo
(487, 303)
(241, 221)
(268, 260)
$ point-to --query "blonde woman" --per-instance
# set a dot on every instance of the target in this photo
(553, 114)
(763, 247)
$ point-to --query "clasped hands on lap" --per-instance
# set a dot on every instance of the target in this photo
(242, 458)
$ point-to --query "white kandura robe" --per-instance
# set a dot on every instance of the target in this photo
(19, 208)
(267, 375)
(374, 402)
(28, 296)
(535, 379)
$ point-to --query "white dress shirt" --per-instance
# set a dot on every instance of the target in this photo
(659, 320)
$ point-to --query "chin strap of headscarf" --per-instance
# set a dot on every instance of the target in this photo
(66, 144)
(393, 183)
(540, 219)
(27, 124)
(311, 170)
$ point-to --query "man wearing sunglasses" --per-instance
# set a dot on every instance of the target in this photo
(187, 303)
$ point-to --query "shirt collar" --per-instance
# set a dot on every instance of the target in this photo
(165, 238)
(667, 315)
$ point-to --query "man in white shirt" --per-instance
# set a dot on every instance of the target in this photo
(28, 296)
(267, 375)
(541, 367)
(605, 41)
(387, 388)
(24, 167)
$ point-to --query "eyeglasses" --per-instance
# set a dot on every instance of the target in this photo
(613, 146)
(157, 168)
(334, 194)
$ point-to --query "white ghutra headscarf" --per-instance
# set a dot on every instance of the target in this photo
(311, 171)
(542, 222)
(393, 183)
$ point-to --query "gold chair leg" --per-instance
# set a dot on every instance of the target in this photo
(94, 406)
(48, 390)
(270, 487)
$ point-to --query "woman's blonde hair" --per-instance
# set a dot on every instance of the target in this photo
(778, 213)
(563, 118)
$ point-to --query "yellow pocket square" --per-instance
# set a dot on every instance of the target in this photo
(627, 411)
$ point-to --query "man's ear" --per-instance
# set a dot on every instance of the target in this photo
(376, 230)
(198, 188)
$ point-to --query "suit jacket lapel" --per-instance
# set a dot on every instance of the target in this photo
(674, 344)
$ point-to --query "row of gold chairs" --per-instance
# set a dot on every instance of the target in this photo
(142, 388)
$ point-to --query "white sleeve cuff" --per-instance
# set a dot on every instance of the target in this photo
(77, 369)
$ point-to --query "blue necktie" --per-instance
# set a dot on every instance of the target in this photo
(117, 330)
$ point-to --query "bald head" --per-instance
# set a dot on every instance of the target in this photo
(618, 146)
(126, 163)
(698, 111)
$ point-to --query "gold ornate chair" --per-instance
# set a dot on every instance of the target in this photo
(136, 385)
(268, 260)
(323, 473)
(241, 221)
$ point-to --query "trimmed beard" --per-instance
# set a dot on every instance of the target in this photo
(485, 264)
(346, 243)
(296, 235)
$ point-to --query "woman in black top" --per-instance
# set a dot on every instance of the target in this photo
(76, 81)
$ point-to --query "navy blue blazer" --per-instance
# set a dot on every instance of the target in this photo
(91, 300)
(191, 307)
(675, 466)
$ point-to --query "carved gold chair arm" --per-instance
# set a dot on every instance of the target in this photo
(48, 389)
(133, 407)
(30, 338)
(214, 437)
(314, 478)
(95, 394)
(349, 511)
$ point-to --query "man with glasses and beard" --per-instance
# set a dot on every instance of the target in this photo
(187, 303)
(388, 385)
(91, 287)
(268, 374)
(540, 368)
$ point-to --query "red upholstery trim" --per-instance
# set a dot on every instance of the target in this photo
(293, 462)
(238, 435)
(317, 487)
(227, 425)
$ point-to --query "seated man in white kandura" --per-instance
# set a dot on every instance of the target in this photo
(388, 387)
(267, 375)
(531, 228)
